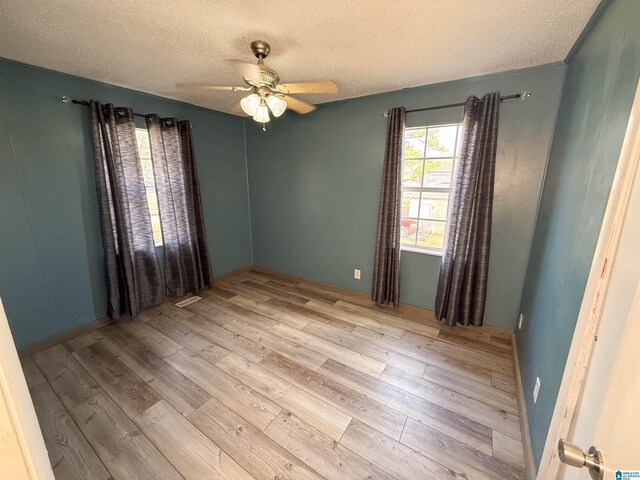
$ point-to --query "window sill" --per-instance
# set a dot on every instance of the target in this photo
(423, 251)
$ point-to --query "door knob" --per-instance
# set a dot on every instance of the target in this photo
(574, 456)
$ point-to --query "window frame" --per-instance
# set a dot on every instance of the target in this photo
(425, 250)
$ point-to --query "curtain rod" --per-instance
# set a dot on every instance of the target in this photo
(522, 96)
(84, 103)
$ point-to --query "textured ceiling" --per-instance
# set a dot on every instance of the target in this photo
(366, 47)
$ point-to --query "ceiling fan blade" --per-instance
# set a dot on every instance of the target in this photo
(250, 71)
(296, 105)
(320, 86)
(211, 87)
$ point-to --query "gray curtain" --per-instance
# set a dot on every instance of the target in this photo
(133, 273)
(386, 271)
(186, 259)
(462, 285)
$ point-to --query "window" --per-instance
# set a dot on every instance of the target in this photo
(428, 163)
(144, 151)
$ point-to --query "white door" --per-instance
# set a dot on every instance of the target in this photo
(599, 400)
(608, 415)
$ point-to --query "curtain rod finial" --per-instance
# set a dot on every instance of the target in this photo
(524, 95)
(66, 99)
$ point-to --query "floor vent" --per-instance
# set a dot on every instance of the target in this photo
(188, 301)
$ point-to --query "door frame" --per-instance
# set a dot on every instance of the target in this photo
(23, 454)
(589, 317)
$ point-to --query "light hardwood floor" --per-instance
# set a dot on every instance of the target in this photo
(268, 377)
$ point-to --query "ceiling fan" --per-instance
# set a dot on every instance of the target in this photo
(266, 91)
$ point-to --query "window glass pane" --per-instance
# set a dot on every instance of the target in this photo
(441, 141)
(412, 173)
(414, 141)
(430, 234)
(410, 204)
(408, 231)
(437, 173)
(144, 151)
(434, 205)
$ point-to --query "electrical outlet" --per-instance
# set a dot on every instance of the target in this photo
(536, 390)
(356, 273)
(520, 319)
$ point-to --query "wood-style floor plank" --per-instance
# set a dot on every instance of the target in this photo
(392, 456)
(124, 450)
(331, 350)
(32, 373)
(355, 319)
(504, 342)
(468, 407)
(155, 341)
(130, 392)
(372, 350)
(263, 458)
(80, 342)
(457, 426)
(349, 401)
(69, 380)
(471, 388)
(187, 448)
(326, 418)
(325, 297)
(271, 378)
(503, 382)
(207, 310)
(443, 360)
(294, 351)
(330, 459)
(508, 450)
(310, 314)
(70, 454)
(249, 404)
(170, 310)
(238, 312)
(190, 339)
(476, 333)
(227, 339)
(463, 353)
(489, 348)
(181, 392)
(275, 292)
(219, 292)
(238, 288)
(283, 316)
(386, 319)
(456, 455)
(272, 276)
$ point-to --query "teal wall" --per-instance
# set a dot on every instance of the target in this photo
(598, 93)
(315, 180)
(51, 271)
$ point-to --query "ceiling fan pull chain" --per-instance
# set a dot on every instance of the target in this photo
(264, 127)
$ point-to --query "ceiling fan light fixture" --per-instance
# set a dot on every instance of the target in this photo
(262, 114)
(277, 105)
(250, 104)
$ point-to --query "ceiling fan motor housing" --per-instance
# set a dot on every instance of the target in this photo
(260, 49)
